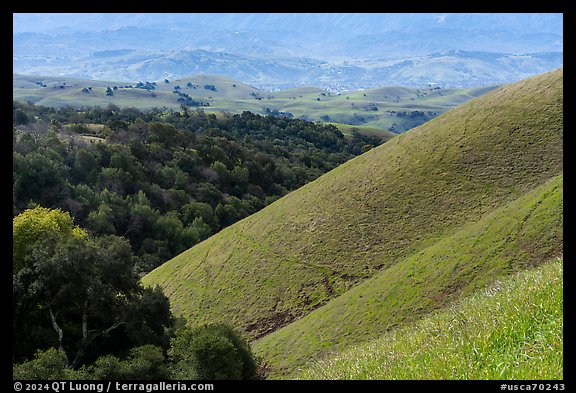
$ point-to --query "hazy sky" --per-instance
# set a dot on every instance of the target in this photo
(369, 22)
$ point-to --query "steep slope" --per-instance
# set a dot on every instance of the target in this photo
(524, 233)
(372, 212)
(512, 329)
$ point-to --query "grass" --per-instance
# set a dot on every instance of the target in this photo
(355, 108)
(522, 234)
(510, 330)
(348, 129)
(371, 213)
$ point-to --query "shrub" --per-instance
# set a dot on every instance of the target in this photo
(143, 363)
(212, 351)
(46, 365)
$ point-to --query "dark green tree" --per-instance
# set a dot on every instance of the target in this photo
(85, 166)
(20, 117)
(143, 363)
(102, 220)
(76, 295)
(47, 365)
(214, 352)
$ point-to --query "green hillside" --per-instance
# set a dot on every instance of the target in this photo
(372, 212)
(374, 110)
(510, 330)
(522, 234)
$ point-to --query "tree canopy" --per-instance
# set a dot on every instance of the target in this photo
(33, 225)
(80, 294)
(166, 180)
(80, 312)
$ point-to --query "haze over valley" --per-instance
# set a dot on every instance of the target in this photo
(338, 52)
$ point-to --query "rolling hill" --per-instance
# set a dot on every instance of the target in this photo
(378, 214)
(373, 111)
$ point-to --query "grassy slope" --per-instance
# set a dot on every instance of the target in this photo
(513, 329)
(524, 233)
(234, 97)
(372, 212)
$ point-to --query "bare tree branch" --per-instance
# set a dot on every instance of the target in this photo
(58, 330)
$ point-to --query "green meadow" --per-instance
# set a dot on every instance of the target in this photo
(383, 111)
(512, 329)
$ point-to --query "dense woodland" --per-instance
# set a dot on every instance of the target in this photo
(103, 195)
(163, 179)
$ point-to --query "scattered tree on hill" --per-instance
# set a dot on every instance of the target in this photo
(146, 86)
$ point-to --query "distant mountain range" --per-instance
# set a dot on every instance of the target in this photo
(446, 69)
(334, 51)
